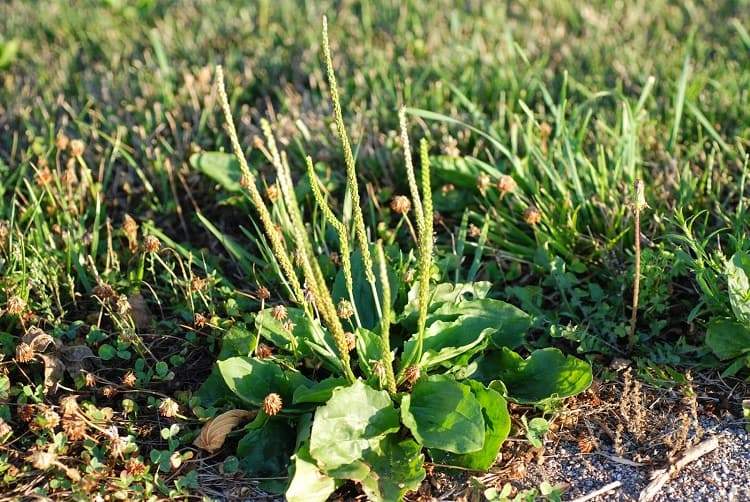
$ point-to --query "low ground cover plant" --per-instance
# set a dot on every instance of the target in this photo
(357, 380)
(170, 329)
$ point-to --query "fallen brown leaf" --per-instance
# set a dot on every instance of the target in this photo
(53, 372)
(139, 310)
(77, 358)
(37, 339)
(215, 431)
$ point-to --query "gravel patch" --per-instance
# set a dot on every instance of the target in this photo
(722, 475)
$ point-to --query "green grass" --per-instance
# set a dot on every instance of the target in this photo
(573, 101)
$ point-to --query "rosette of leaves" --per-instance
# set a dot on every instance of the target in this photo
(729, 337)
(429, 373)
(455, 413)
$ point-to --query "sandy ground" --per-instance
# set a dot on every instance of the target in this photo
(722, 475)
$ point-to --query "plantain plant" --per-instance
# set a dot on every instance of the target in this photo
(727, 337)
(353, 381)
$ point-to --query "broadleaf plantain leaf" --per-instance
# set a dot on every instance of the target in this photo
(444, 414)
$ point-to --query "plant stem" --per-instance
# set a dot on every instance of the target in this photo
(351, 173)
(385, 322)
(638, 205)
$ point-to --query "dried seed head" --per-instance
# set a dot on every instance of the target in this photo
(199, 320)
(447, 188)
(74, 428)
(15, 305)
(48, 419)
(474, 231)
(450, 147)
(168, 408)
(345, 309)
(129, 379)
(246, 181)
(151, 244)
(135, 467)
(43, 177)
(288, 326)
(263, 293)
(90, 380)
(69, 406)
(27, 412)
(61, 141)
(411, 375)
(400, 204)
(198, 283)
(506, 185)
(532, 216)
(272, 404)
(24, 352)
(335, 258)
(117, 444)
(351, 340)
(109, 391)
(379, 369)
(272, 192)
(42, 460)
(263, 351)
(104, 292)
(77, 147)
(483, 182)
(279, 312)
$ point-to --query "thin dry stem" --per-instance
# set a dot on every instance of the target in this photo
(639, 204)
(277, 242)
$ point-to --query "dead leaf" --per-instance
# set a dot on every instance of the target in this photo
(37, 339)
(78, 358)
(215, 431)
(139, 311)
(53, 372)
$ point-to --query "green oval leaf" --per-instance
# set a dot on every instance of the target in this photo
(393, 468)
(353, 421)
(546, 373)
(727, 338)
(221, 167)
(308, 483)
(253, 379)
(444, 414)
(738, 286)
(497, 427)
(265, 451)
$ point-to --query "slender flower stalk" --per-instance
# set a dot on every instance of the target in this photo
(417, 201)
(311, 268)
(351, 173)
(424, 264)
(277, 242)
(385, 322)
(425, 247)
(340, 228)
(638, 205)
